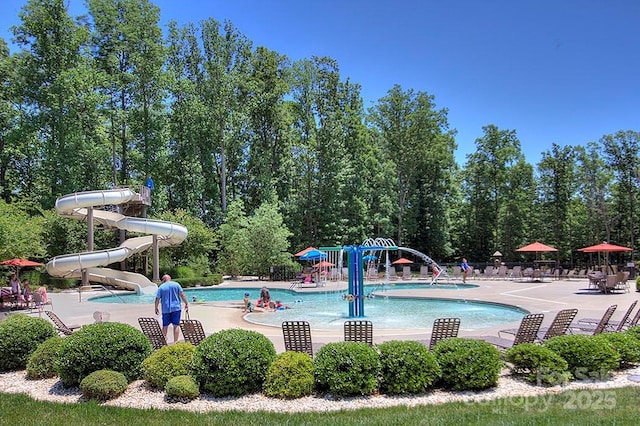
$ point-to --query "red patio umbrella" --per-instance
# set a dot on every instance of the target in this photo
(402, 261)
(604, 248)
(20, 263)
(536, 247)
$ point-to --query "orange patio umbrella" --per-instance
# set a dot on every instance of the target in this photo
(305, 251)
(536, 247)
(604, 248)
(402, 261)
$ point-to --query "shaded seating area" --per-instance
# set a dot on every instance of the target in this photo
(61, 327)
(151, 328)
(358, 331)
(527, 333)
(192, 331)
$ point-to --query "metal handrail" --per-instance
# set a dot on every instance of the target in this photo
(99, 286)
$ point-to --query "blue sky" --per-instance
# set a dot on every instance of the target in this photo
(563, 71)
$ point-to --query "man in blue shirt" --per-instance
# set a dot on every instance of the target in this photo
(169, 295)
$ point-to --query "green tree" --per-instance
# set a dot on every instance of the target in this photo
(268, 242)
(417, 143)
(233, 240)
(20, 231)
(58, 91)
(194, 252)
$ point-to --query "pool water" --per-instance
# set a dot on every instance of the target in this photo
(328, 310)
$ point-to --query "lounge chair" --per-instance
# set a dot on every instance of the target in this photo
(297, 336)
(582, 328)
(358, 331)
(516, 273)
(613, 325)
(527, 333)
(444, 328)
(424, 272)
(63, 329)
(406, 272)
(192, 331)
(151, 328)
(558, 327)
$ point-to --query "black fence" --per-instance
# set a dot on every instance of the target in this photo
(283, 273)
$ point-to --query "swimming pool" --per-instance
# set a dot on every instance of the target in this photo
(328, 310)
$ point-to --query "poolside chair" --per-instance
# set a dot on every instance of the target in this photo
(61, 327)
(516, 273)
(358, 331)
(406, 272)
(192, 331)
(614, 325)
(151, 328)
(558, 327)
(424, 272)
(443, 328)
(297, 336)
(527, 333)
(582, 328)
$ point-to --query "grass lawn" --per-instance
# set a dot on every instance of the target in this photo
(580, 407)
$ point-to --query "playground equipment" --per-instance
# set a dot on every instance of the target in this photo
(371, 248)
(88, 265)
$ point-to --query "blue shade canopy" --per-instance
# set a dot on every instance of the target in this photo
(313, 255)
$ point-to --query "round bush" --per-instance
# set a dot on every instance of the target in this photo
(102, 346)
(183, 388)
(41, 363)
(634, 331)
(103, 385)
(407, 367)
(538, 364)
(20, 335)
(468, 364)
(168, 362)
(588, 358)
(233, 362)
(290, 376)
(347, 368)
(627, 346)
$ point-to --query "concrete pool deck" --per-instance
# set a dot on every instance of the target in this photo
(546, 297)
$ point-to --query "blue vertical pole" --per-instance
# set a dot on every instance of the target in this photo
(359, 284)
(351, 289)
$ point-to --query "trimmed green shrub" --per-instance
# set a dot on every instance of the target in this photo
(233, 362)
(183, 272)
(20, 335)
(41, 363)
(103, 385)
(182, 387)
(407, 367)
(102, 346)
(633, 331)
(588, 358)
(468, 364)
(168, 362)
(538, 364)
(627, 345)
(347, 368)
(290, 376)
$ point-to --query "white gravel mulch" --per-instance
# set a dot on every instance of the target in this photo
(139, 396)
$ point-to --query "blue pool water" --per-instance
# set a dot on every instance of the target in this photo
(328, 310)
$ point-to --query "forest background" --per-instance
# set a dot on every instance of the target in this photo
(260, 156)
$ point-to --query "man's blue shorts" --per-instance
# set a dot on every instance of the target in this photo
(171, 318)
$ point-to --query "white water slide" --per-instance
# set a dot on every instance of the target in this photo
(77, 206)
